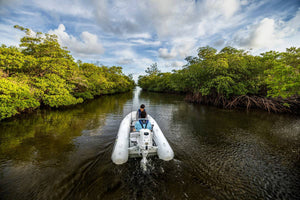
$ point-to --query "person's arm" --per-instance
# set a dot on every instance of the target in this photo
(149, 126)
(137, 126)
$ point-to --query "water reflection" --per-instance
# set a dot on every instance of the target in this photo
(240, 155)
(45, 134)
(219, 154)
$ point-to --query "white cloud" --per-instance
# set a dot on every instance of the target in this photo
(138, 35)
(291, 27)
(181, 48)
(129, 57)
(118, 17)
(270, 34)
(6, 4)
(125, 61)
(125, 53)
(244, 2)
(146, 42)
(88, 46)
(138, 66)
(168, 18)
(219, 42)
(261, 35)
(165, 54)
(177, 64)
(9, 35)
(222, 7)
(66, 7)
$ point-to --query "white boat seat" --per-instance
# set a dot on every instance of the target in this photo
(134, 136)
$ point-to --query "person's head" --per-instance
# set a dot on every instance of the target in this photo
(143, 114)
(142, 107)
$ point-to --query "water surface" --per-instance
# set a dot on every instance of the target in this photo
(219, 154)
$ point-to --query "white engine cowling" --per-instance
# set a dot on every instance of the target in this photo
(145, 139)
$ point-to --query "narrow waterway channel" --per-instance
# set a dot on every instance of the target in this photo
(219, 154)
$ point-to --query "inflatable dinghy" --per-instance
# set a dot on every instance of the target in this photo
(130, 143)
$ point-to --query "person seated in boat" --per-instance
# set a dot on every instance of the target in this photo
(138, 113)
(143, 122)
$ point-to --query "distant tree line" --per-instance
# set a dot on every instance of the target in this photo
(233, 78)
(42, 73)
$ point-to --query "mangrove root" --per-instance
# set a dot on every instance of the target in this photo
(277, 105)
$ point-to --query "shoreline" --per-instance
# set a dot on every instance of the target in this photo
(247, 102)
(243, 102)
(63, 107)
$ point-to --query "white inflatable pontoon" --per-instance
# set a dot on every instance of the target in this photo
(130, 143)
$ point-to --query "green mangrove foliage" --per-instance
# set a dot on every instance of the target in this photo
(233, 75)
(42, 73)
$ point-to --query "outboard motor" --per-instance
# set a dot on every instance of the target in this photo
(144, 142)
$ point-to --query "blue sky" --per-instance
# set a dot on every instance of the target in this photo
(136, 33)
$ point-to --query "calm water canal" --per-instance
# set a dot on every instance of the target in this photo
(219, 154)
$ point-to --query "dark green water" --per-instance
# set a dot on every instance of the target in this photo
(219, 154)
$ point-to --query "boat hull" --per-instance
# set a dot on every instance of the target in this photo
(122, 149)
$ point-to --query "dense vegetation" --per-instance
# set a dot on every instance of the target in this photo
(234, 78)
(42, 73)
